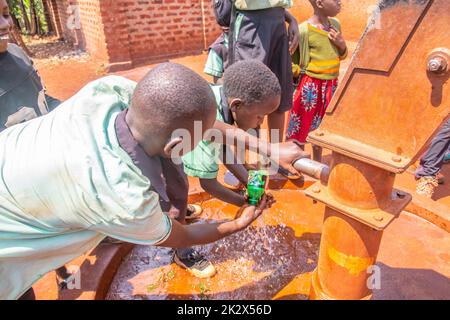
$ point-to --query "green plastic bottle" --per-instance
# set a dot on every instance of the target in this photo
(257, 184)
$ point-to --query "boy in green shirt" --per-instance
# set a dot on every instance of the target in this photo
(249, 93)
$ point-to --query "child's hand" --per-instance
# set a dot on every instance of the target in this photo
(286, 153)
(293, 34)
(247, 214)
(338, 40)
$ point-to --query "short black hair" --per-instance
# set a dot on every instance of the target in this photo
(251, 81)
(169, 96)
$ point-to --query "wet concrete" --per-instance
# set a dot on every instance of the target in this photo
(274, 258)
(256, 263)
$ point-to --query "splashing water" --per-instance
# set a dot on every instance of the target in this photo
(255, 263)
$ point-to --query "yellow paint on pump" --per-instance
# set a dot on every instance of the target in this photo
(354, 265)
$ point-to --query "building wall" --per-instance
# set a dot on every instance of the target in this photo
(129, 32)
(125, 33)
(90, 36)
(149, 30)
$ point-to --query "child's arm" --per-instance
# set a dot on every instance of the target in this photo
(293, 31)
(182, 236)
(235, 167)
(217, 190)
(214, 188)
(338, 40)
(282, 153)
(239, 171)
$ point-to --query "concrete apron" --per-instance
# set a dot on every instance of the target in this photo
(273, 259)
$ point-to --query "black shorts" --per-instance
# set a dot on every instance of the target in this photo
(263, 37)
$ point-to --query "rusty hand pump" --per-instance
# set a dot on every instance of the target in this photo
(438, 61)
(398, 75)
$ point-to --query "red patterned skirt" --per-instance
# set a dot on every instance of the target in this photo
(311, 100)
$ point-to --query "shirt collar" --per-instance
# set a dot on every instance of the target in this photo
(151, 167)
(225, 109)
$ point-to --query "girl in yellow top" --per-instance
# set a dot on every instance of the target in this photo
(316, 66)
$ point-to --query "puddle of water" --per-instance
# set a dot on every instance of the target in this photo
(271, 259)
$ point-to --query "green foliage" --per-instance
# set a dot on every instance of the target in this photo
(14, 8)
(22, 10)
(163, 278)
(203, 291)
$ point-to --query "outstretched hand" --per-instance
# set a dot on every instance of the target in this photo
(247, 214)
(286, 153)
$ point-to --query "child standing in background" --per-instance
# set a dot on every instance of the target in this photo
(259, 33)
(218, 56)
(316, 66)
(428, 174)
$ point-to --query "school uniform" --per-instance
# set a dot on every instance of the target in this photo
(203, 161)
(260, 33)
(217, 59)
(73, 177)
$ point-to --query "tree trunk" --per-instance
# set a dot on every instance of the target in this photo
(48, 17)
(34, 25)
(26, 21)
(37, 18)
(16, 22)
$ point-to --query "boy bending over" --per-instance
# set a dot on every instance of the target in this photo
(97, 167)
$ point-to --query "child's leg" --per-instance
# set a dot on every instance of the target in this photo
(447, 156)
(431, 163)
(276, 121)
(303, 111)
(325, 94)
(177, 190)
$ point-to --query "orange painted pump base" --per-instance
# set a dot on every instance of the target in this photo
(317, 292)
(355, 196)
(348, 250)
